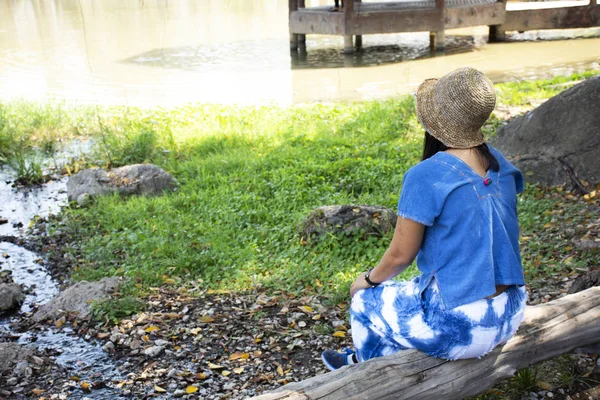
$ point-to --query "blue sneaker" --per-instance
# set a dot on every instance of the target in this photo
(335, 360)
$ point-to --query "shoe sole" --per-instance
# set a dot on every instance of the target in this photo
(329, 366)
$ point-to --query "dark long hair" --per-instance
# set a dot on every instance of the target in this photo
(432, 146)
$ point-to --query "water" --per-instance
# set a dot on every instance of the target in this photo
(21, 206)
(166, 53)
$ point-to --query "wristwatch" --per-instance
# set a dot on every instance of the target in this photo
(369, 281)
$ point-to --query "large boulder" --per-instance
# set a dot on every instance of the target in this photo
(558, 142)
(11, 296)
(77, 299)
(349, 220)
(138, 179)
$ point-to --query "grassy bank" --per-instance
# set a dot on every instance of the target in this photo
(249, 176)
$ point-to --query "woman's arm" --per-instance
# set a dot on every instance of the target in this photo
(405, 245)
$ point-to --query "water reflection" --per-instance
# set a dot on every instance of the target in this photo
(164, 52)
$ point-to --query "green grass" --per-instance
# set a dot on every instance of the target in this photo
(249, 176)
(523, 92)
(247, 183)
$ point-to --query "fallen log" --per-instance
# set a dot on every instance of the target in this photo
(547, 331)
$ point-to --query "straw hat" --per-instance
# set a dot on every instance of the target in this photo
(454, 108)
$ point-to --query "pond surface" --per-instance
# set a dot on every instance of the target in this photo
(166, 53)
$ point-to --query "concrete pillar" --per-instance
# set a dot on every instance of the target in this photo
(358, 42)
(348, 44)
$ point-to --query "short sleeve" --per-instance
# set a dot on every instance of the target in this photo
(420, 199)
(510, 168)
(519, 182)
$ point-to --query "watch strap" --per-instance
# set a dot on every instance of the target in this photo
(369, 281)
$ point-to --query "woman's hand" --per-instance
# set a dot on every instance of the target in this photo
(359, 283)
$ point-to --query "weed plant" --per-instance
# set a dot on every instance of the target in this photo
(28, 168)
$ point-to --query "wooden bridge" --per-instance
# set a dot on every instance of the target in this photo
(357, 18)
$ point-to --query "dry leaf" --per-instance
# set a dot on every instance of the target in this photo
(226, 373)
(37, 391)
(214, 366)
(544, 385)
(201, 375)
(85, 386)
(238, 370)
(195, 331)
(158, 389)
(280, 370)
(206, 318)
(306, 309)
(237, 355)
(339, 334)
(191, 389)
(152, 328)
(316, 317)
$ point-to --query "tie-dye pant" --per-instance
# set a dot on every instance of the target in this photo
(394, 317)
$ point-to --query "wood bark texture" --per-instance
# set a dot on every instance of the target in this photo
(547, 331)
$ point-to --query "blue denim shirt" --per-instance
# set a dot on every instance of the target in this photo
(471, 241)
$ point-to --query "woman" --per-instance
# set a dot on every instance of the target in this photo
(457, 215)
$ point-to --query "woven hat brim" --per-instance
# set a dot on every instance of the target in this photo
(427, 113)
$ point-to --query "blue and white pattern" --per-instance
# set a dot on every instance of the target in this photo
(394, 316)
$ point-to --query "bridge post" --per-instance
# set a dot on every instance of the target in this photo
(293, 6)
(437, 38)
(497, 33)
(358, 38)
(301, 37)
(348, 15)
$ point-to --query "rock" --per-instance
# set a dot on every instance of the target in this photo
(172, 373)
(179, 393)
(139, 179)
(153, 351)
(109, 347)
(3, 221)
(135, 344)
(11, 296)
(350, 220)
(84, 199)
(586, 281)
(6, 276)
(558, 139)
(77, 299)
(23, 370)
(12, 353)
(587, 244)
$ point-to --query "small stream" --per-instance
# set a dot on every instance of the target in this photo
(21, 206)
